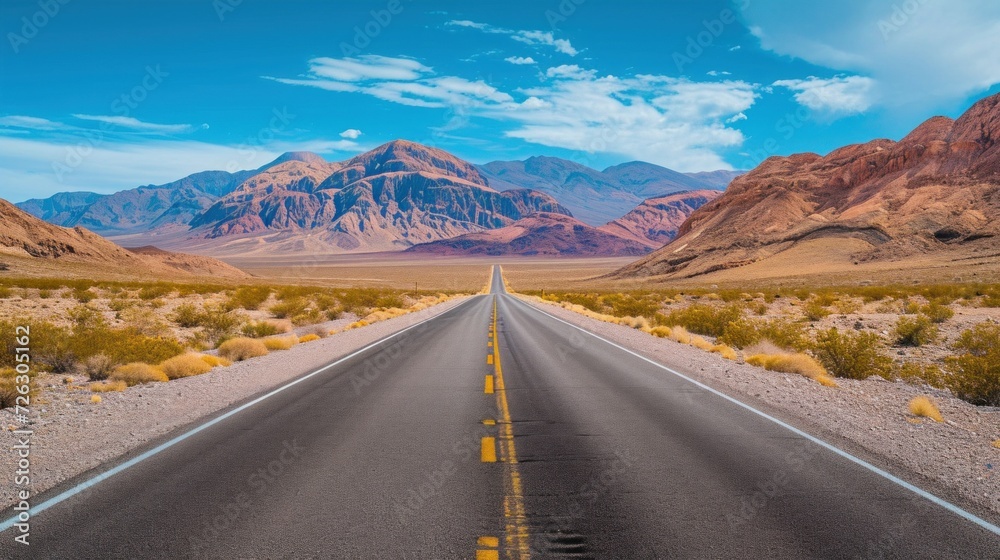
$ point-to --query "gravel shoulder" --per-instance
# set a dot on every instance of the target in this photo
(953, 459)
(73, 435)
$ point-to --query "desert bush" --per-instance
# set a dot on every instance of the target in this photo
(915, 331)
(185, 365)
(155, 291)
(44, 294)
(5, 292)
(309, 337)
(743, 333)
(98, 367)
(289, 307)
(724, 351)
(910, 307)
(239, 349)
(937, 312)
(679, 334)
(187, 316)
(801, 364)
(815, 311)
(662, 332)
(53, 347)
(921, 374)
(137, 373)
(215, 361)
(84, 296)
(307, 317)
(86, 318)
(705, 319)
(925, 407)
(280, 343)
(124, 346)
(8, 387)
(144, 321)
(975, 371)
(120, 304)
(630, 305)
(701, 344)
(108, 387)
(260, 329)
(219, 323)
(854, 355)
(248, 297)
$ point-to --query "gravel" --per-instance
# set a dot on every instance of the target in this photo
(870, 419)
(73, 435)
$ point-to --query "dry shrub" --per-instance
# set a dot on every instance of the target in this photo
(662, 332)
(923, 406)
(701, 344)
(916, 331)
(108, 387)
(137, 373)
(239, 349)
(680, 334)
(8, 387)
(281, 343)
(96, 399)
(98, 367)
(215, 361)
(801, 364)
(724, 351)
(185, 365)
(855, 355)
(975, 370)
(248, 297)
(309, 337)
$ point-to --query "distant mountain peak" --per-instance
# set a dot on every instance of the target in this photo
(305, 157)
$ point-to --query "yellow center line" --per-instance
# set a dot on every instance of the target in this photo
(488, 449)
(517, 539)
(488, 387)
(489, 359)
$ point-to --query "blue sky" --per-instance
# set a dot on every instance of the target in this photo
(102, 96)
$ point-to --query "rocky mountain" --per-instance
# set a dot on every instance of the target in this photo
(655, 222)
(541, 234)
(595, 197)
(25, 240)
(395, 196)
(934, 195)
(717, 179)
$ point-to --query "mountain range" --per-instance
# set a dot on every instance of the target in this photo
(396, 196)
(598, 197)
(932, 197)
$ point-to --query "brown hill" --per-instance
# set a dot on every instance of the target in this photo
(541, 234)
(395, 196)
(655, 222)
(932, 196)
(25, 240)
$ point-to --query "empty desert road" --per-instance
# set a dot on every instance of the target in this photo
(452, 440)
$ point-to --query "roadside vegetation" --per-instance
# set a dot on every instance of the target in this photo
(941, 336)
(118, 334)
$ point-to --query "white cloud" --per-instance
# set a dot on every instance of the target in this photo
(921, 55)
(351, 133)
(367, 67)
(660, 119)
(842, 95)
(714, 73)
(528, 37)
(137, 125)
(32, 123)
(520, 60)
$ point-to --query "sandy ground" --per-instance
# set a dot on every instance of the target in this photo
(954, 459)
(73, 435)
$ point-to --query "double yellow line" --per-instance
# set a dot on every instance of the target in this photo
(517, 539)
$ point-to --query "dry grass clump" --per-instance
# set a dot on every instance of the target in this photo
(281, 343)
(680, 334)
(108, 387)
(661, 332)
(923, 406)
(801, 364)
(98, 367)
(215, 361)
(309, 337)
(96, 399)
(724, 351)
(185, 365)
(239, 349)
(701, 344)
(137, 373)
(996, 443)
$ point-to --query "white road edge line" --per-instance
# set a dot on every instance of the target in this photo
(861, 462)
(140, 458)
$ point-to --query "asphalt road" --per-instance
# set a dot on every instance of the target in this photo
(436, 444)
